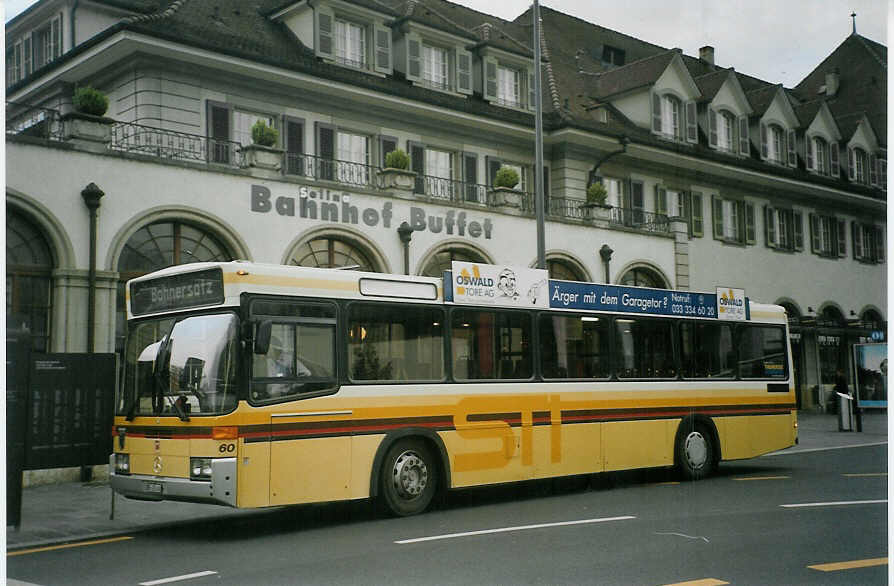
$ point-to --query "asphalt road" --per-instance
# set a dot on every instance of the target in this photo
(738, 527)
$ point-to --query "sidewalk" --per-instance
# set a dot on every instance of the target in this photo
(60, 513)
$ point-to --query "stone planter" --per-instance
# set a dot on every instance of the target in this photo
(505, 197)
(595, 211)
(86, 127)
(262, 157)
(391, 178)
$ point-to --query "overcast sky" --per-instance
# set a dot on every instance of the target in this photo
(780, 41)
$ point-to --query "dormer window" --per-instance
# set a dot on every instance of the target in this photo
(778, 144)
(34, 50)
(435, 67)
(508, 83)
(350, 44)
(612, 56)
(508, 90)
(670, 116)
(725, 131)
(672, 119)
(822, 156)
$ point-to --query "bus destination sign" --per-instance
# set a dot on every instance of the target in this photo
(574, 295)
(181, 291)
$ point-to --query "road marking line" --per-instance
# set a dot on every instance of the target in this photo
(508, 529)
(67, 545)
(835, 504)
(865, 475)
(704, 582)
(740, 478)
(850, 565)
(178, 578)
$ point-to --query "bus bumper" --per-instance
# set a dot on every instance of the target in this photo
(221, 489)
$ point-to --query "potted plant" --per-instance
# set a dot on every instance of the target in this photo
(396, 174)
(504, 192)
(88, 122)
(262, 152)
(595, 205)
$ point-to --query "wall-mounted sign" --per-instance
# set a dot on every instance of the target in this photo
(592, 296)
(731, 304)
(499, 285)
(871, 364)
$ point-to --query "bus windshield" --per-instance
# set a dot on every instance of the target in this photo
(180, 367)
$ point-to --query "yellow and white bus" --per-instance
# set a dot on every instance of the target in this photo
(255, 385)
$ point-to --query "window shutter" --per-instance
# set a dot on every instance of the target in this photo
(218, 123)
(383, 49)
(770, 226)
(490, 78)
(833, 158)
(417, 164)
(810, 148)
(873, 170)
(815, 242)
(879, 243)
(712, 127)
(325, 46)
(691, 122)
(764, 149)
(698, 221)
(798, 230)
(851, 165)
(294, 143)
(744, 139)
(637, 201)
(883, 173)
(325, 134)
(841, 233)
(656, 112)
(532, 98)
(470, 179)
(493, 165)
(414, 57)
(750, 225)
(717, 205)
(660, 200)
(857, 237)
(792, 143)
(386, 145)
(55, 38)
(463, 71)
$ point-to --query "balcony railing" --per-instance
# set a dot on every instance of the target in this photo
(564, 207)
(28, 120)
(170, 144)
(450, 189)
(640, 220)
(345, 172)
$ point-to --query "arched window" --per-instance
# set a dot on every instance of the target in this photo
(643, 277)
(832, 316)
(441, 260)
(872, 319)
(328, 252)
(776, 151)
(159, 245)
(726, 131)
(670, 116)
(29, 265)
(860, 166)
(792, 312)
(818, 160)
(563, 270)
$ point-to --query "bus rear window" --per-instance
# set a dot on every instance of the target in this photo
(762, 352)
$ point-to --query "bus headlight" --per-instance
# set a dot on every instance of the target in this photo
(122, 463)
(200, 468)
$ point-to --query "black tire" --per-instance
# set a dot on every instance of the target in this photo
(409, 478)
(695, 449)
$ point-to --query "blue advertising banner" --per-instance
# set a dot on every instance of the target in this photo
(591, 296)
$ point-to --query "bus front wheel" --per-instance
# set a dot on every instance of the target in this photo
(409, 478)
(695, 452)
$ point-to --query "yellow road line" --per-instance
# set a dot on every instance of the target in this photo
(704, 582)
(865, 475)
(668, 483)
(850, 565)
(67, 545)
(761, 478)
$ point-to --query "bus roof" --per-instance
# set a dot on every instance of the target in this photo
(171, 289)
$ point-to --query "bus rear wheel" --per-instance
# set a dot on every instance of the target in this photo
(409, 478)
(695, 452)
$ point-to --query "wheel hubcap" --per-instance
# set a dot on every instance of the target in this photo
(410, 475)
(696, 450)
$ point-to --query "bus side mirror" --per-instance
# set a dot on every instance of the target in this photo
(262, 337)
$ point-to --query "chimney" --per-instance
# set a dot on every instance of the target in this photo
(832, 82)
(706, 54)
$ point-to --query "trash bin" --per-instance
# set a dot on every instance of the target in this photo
(845, 412)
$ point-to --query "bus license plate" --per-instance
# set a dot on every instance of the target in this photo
(153, 487)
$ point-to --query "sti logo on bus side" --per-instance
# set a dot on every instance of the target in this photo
(478, 418)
